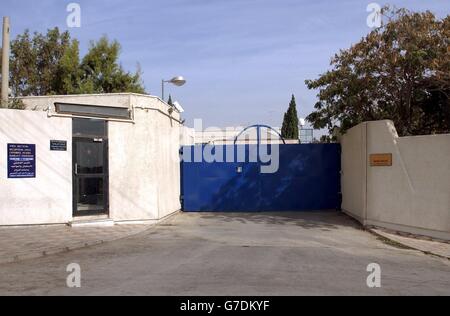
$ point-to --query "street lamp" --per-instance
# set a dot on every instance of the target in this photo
(177, 81)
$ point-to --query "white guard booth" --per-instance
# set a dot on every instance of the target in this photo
(74, 157)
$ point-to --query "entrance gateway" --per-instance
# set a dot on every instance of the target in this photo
(90, 167)
(308, 179)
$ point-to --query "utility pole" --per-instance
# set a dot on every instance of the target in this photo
(5, 63)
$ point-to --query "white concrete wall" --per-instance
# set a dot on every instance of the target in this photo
(187, 137)
(413, 195)
(354, 168)
(46, 199)
(144, 167)
(226, 136)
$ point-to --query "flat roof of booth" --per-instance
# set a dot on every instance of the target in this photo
(120, 100)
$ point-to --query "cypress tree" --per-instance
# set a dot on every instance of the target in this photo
(289, 129)
(169, 102)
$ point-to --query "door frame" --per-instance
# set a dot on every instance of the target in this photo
(104, 176)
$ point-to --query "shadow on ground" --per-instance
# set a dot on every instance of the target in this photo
(306, 220)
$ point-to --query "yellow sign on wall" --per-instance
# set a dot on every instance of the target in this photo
(381, 160)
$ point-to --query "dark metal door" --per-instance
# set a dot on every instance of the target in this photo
(90, 174)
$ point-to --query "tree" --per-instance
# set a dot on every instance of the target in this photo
(289, 130)
(50, 64)
(326, 139)
(35, 62)
(102, 74)
(400, 71)
(69, 71)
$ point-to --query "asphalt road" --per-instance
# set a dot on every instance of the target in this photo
(236, 254)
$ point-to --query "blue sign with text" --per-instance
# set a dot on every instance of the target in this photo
(21, 161)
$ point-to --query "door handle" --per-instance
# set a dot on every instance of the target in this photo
(76, 169)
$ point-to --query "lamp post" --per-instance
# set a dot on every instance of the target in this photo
(177, 81)
(5, 63)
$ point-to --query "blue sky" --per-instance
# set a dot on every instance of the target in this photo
(242, 58)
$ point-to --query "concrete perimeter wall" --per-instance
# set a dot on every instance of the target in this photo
(46, 199)
(412, 195)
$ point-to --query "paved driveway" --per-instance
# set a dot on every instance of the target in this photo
(236, 254)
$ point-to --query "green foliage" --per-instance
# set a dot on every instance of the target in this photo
(326, 139)
(50, 64)
(69, 71)
(16, 104)
(289, 130)
(400, 71)
(102, 73)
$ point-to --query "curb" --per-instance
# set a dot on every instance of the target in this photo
(76, 246)
(405, 246)
(64, 249)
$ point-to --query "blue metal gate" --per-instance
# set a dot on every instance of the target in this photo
(308, 179)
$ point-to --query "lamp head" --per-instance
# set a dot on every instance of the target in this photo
(178, 81)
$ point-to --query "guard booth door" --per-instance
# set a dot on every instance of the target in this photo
(90, 167)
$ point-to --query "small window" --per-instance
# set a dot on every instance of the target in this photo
(93, 110)
(88, 128)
